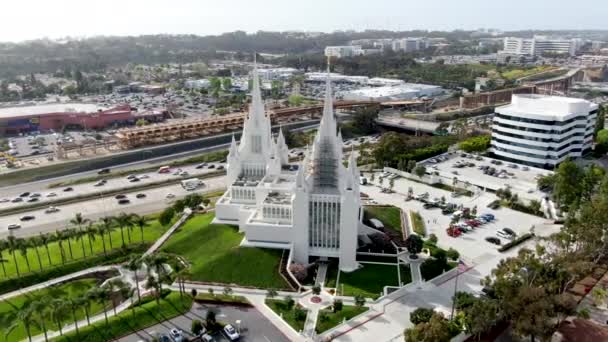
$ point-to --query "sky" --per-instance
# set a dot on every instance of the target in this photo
(33, 19)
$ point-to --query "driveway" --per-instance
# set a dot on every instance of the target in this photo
(254, 327)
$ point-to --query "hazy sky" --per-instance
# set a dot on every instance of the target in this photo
(30, 19)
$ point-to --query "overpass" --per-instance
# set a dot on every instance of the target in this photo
(154, 134)
(408, 124)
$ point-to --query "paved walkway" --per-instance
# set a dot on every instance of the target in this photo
(168, 233)
(321, 274)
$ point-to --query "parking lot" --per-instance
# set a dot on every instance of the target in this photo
(472, 245)
(253, 326)
(521, 179)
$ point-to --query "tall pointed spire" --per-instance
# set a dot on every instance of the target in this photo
(256, 111)
(328, 122)
(233, 151)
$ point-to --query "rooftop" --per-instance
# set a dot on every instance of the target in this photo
(43, 109)
(393, 90)
(546, 105)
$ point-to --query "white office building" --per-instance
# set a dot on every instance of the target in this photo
(409, 44)
(197, 84)
(311, 208)
(405, 91)
(539, 46)
(543, 131)
(344, 51)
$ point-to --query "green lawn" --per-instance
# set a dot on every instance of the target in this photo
(369, 281)
(280, 308)
(390, 216)
(418, 223)
(328, 319)
(132, 320)
(9, 308)
(215, 255)
(151, 233)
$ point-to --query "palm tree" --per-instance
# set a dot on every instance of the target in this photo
(124, 220)
(61, 235)
(91, 232)
(157, 263)
(24, 315)
(107, 227)
(58, 312)
(45, 239)
(181, 272)
(40, 309)
(23, 245)
(86, 304)
(69, 234)
(13, 246)
(35, 242)
(3, 247)
(75, 304)
(141, 222)
(78, 221)
(133, 266)
(101, 295)
(120, 286)
(79, 235)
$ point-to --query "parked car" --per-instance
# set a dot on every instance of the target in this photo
(207, 338)
(509, 231)
(220, 167)
(493, 240)
(503, 235)
(27, 218)
(473, 223)
(14, 226)
(200, 166)
(488, 216)
(231, 333)
(176, 335)
(453, 232)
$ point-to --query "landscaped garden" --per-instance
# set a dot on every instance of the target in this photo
(48, 307)
(329, 318)
(215, 256)
(291, 312)
(369, 281)
(132, 320)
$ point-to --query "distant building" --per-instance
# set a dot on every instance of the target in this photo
(409, 44)
(273, 74)
(197, 84)
(343, 51)
(540, 45)
(543, 131)
(405, 91)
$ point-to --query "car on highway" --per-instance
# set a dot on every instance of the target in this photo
(121, 196)
(17, 200)
(124, 201)
(51, 194)
(184, 174)
(143, 177)
(133, 180)
(493, 240)
(101, 183)
(25, 194)
(68, 189)
(32, 200)
(34, 195)
(231, 333)
(51, 210)
(212, 166)
(200, 166)
(176, 335)
(131, 176)
(4, 200)
(220, 167)
(140, 196)
(103, 171)
(170, 196)
(14, 226)
(27, 217)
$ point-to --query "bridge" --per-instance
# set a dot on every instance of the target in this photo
(408, 124)
(195, 128)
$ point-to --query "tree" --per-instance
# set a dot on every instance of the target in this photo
(414, 244)
(463, 300)
(79, 221)
(481, 315)
(58, 310)
(316, 289)
(475, 144)
(421, 315)
(295, 100)
(40, 310)
(227, 84)
(364, 120)
(197, 327)
(134, 265)
(35, 242)
(337, 305)
(74, 304)
(13, 246)
(101, 295)
(141, 222)
(91, 233)
(123, 220)
(25, 316)
(3, 247)
(567, 184)
(166, 216)
(106, 224)
(23, 246)
(420, 170)
(227, 291)
(437, 329)
(141, 122)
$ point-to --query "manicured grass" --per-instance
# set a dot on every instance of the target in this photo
(280, 308)
(75, 289)
(328, 319)
(215, 256)
(130, 321)
(418, 223)
(369, 281)
(151, 233)
(389, 216)
(332, 275)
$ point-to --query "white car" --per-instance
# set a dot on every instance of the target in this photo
(4, 200)
(51, 194)
(231, 332)
(170, 196)
(176, 335)
(14, 226)
(504, 235)
(51, 210)
(144, 177)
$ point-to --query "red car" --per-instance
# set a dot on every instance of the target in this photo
(472, 223)
(453, 232)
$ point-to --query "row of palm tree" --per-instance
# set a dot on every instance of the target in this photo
(84, 231)
(59, 311)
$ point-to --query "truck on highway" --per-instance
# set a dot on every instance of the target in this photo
(164, 169)
(192, 184)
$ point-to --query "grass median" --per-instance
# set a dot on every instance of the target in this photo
(215, 256)
(329, 319)
(369, 281)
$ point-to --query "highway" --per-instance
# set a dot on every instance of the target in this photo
(156, 200)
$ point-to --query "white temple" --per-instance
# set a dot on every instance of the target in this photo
(311, 207)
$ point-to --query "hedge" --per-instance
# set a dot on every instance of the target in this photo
(516, 242)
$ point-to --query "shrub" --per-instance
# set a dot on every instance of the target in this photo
(316, 289)
(414, 243)
(381, 243)
(337, 305)
(289, 302)
(193, 292)
(463, 300)
(299, 314)
(300, 272)
(197, 327)
(453, 254)
(421, 315)
(475, 144)
(431, 268)
(433, 238)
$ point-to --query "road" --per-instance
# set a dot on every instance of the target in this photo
(254, 327)
(154, 201)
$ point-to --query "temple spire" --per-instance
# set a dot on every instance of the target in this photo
(233, 151)
(328, 122)
(256, 112)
